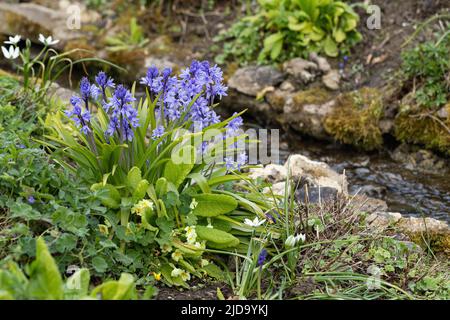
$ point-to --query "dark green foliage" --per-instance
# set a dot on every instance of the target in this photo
(284, 29)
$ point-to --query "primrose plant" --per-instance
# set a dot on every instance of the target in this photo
(154, 163)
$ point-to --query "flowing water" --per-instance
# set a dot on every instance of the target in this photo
(409, 192)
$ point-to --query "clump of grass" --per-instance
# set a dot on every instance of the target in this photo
(341, 258)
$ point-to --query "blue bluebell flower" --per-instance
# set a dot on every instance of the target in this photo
(79, 117)
(31, 200)
(270, 218)
(234, 125)
(104, 82)
(158, 132)
(262, 257)
(124, 117)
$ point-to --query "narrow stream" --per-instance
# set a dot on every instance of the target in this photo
(411, 193)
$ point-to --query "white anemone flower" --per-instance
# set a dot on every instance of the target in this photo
(12, 53)
(49, 41)
(255, 223)
(13, 40)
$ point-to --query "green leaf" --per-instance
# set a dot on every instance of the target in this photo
(211, 205)
(177, 172)
(140, 190)
(134, 177)
(45, 280)
(214, 271)
(99, 264)
(216, 238)
(330, 47)
(123, 289)
(107, 194)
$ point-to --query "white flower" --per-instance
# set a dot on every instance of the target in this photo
(47, 41)
(13, 40)
(12, 53)
(255, 223)
(291, 241)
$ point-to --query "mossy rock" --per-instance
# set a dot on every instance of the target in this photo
(355, 119)
(316, 96)
(428, 233)
(423, 127)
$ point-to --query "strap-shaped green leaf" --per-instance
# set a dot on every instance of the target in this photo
(216, 238)
(211, 205)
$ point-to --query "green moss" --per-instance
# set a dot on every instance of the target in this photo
(439, 243)
(415, 126)
(311, 96)
(355, 119)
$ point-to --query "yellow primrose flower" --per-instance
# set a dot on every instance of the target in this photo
(176, 272)
(199, 245)
(177, 255)
(166, 248)
(204, 263)
(185, 276)
(157, 276)
(140, 207)
(103, 229)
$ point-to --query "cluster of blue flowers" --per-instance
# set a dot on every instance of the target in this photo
(187, 97)
(177, 93)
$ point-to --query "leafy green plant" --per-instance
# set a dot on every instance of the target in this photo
(42, 280)
(291, 28)
(427, 66)
(127, 41)
(174, 210)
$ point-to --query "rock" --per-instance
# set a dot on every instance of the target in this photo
(160, 63)
(300, 69)
(331, 80)
(271, 173)
(434, 232)
(381, 220)
(319, 173)
(305, 111)
(29, 20)
(369, 205)
(373, 191)
(251, 80)
(316, 194)
(63, 94)
(278, 189)
(276, 99)
(321, 62)
(443, 113)
(420, 160)
(287, 86)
